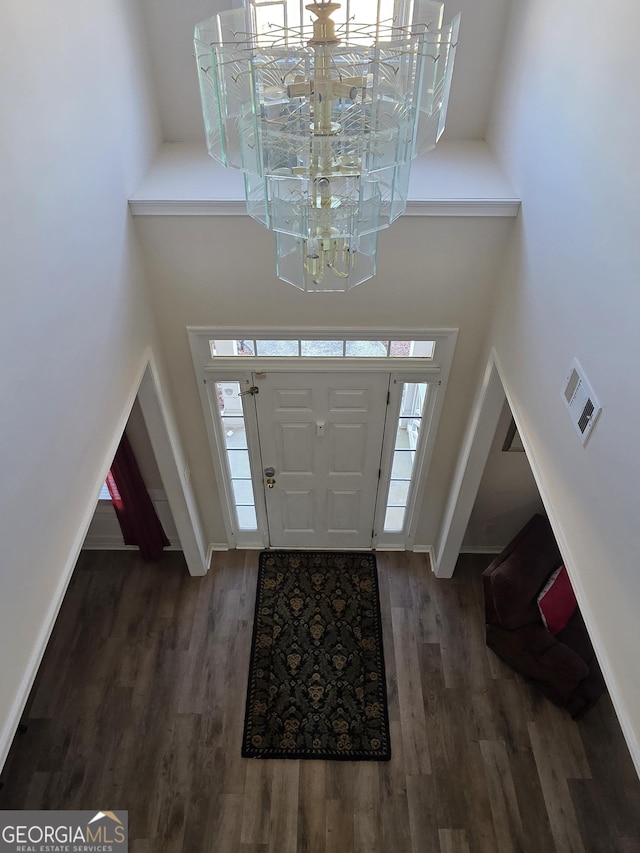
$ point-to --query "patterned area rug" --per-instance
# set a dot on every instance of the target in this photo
(316, 680)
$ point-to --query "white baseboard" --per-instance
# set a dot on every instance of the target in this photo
(8, 732)
(429, 550)
(212, 548)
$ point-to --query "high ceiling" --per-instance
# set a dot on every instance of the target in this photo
(169, 27)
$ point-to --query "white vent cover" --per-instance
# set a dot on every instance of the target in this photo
(580, 401)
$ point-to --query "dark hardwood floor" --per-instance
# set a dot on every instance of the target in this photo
(139, 705)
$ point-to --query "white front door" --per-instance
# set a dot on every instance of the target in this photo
(321, 434)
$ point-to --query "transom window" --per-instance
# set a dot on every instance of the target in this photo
(309, 348)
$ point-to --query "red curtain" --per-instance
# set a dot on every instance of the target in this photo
(136, 513)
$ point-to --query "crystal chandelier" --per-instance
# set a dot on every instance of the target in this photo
(323, 117)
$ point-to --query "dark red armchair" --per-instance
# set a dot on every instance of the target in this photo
(564, 665)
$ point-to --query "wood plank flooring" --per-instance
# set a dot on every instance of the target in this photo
(139, 705)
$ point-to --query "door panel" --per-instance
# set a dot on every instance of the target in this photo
(322, 433)
(349, 400)
(300, 400)
(298, 511)
(296, 447)
(343, 512)
(346, 447)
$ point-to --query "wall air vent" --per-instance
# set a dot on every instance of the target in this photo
(580, 401)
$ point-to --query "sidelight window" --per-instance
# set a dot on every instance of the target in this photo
(237, 453)
(407, 435)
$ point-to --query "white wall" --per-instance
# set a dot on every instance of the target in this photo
(433, 272)
(566, 130)
(75, 136)
(507, 496)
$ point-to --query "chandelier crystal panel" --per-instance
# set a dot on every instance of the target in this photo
(323, 115)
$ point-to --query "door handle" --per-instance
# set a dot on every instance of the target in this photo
(270, 483)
